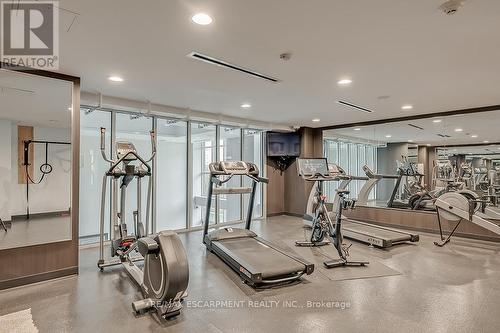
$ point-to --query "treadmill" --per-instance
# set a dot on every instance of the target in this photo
(257, 261)
(376, 235)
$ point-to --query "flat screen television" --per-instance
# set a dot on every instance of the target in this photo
(283, 144)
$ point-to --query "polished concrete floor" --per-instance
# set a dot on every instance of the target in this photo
(451, 289)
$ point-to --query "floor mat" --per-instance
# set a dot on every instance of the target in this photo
(20, 321)
(318, 255)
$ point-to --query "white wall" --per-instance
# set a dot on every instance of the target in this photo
(54, 193)
(5, 169)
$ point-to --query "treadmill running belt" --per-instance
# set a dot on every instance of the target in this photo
(394, 236)
(269, 262)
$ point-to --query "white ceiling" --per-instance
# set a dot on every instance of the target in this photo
(35, 101)
(405, 49)
(485, 125)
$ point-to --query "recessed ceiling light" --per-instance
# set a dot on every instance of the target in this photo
(458, 130)
(474, 136)
(115, 79)
(486, 141)
(388, 136)
(246, 106)
(70, 108)
(407, 107)
(410, 140)
(202, 19)
(316, 120)
(344, 82)
(437, 121)
(357, 129)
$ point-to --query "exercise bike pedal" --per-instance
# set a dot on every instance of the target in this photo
(310, 244)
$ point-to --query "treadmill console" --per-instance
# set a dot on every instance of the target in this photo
(310, 167)
(335, 170)
(234, 168)
(123, 148)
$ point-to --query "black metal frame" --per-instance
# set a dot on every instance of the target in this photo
(246, 271)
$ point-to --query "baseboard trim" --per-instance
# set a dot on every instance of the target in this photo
(25, 280)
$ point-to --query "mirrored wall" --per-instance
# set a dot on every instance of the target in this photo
(36, 164)
(432, 153)
(180, 171)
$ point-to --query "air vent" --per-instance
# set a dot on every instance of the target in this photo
(415, 126)
(221, 63)
(443, 135)
(357, 107)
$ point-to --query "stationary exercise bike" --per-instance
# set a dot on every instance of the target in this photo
(165, 276)
(316, 170)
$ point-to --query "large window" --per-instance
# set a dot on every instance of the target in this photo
(180, 171)
(252, 152)
(92, 169)
(171, 175)
(350, 156)
(230, 149)
(203, 149)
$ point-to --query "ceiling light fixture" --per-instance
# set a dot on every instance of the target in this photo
(458, 130)
(437, 121)
(115, 79)
(410, 140)
(407, 107)
(428, 145)
(388, 136)
(474, 136)
(357, 129)
(316, 120)
(344, 82)
(486, 141)
(202, 19)
(246, 106)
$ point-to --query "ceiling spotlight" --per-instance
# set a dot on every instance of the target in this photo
(70, 108)
(407, 107)
(246, 106)
(410, 140)
(458, 130)
(344, 82)
(202, 19)
(474, 136)
(357, 129)
(486, 141)
(115, 79)
(388, 136)
(316, 120)
(437, 121)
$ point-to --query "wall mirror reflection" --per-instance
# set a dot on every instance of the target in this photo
(35, 145)
(396, 161)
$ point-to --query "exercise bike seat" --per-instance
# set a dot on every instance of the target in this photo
(147, 245)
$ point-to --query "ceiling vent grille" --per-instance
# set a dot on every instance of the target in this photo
(357, 107)
(222, 63)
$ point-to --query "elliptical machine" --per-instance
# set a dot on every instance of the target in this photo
(316, 170)
(165, 276)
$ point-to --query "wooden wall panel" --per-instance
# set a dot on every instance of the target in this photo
(417, 220)
(24, 133)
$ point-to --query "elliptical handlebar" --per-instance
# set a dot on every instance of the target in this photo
(103, 145)
(115, 163)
